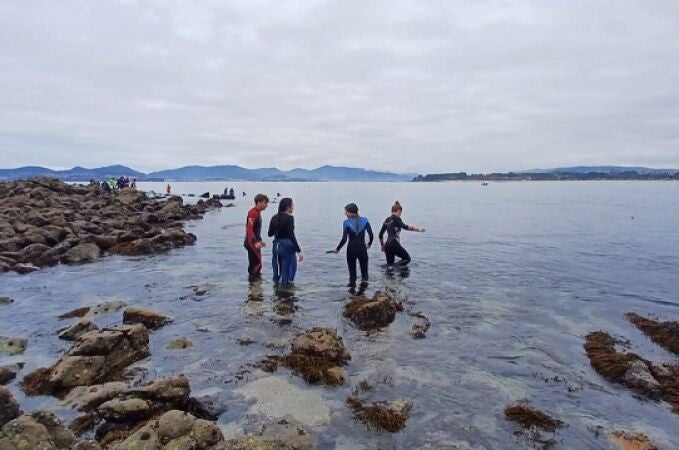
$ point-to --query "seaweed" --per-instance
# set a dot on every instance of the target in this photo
(665, 334)
(529, 417)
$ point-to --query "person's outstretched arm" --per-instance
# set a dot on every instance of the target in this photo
(403, 226)
(381, 235)
(345, 236)
(371, 236)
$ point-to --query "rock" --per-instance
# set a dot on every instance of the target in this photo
(5, 301)
(94, 358)
(9, 408)
(208, 406)
(36, 431)
(107, 307)
(77, 329)
(381, 416)
(665, 334)
(150, 319)
(528, 417)
(370, 314)
(323, 343)
(175, 430)
(82, 253)
(124, 409)
(78, 312)
(179, 343)
(638, 377)
(421, 326)
(87, 445)
(86, 398)
(280, 435)
(626, 440)
(13, 345)
(25, 268)
(9, 372)
(174, 390)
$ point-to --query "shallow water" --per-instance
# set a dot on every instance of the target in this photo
(512, 276)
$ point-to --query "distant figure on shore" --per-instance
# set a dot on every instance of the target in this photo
(134, 183)
(244, 194)
(168, 189)
(278, 194)
(393, 226)
(253, 236)
(282, 229)
(232, 193)
(354, 229)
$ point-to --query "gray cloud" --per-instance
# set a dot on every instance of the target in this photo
(395, 85)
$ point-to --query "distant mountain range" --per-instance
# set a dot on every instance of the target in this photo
(209, 173)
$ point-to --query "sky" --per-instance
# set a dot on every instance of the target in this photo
(407, 86)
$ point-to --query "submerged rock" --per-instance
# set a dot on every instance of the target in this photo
(529, 417)
(381, 416)
(77, 329)
(372, 313)
(36, 431)
(13, 345)
(665, 334)
(421, 326)
(150, 319)
(283, 434)
(9, 372)
(626, 440)
(179, 343)
(94, 358)
(9, 408)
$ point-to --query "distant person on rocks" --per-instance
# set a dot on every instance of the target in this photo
(168, 189)
(393, 226)
(282, 229)
(354, 229)
(253, 236)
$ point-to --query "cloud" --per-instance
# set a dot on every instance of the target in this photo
(394, 85)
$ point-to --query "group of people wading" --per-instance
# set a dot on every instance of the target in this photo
(286, 249)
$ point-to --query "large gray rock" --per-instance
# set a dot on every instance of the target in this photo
(9, 408)
(82, 253)
(94, 358)
(36, 431)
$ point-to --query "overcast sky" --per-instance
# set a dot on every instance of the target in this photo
(413, 86)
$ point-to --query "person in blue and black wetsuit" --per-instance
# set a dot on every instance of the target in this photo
(354, 230)
(393, 226)
(282, 228)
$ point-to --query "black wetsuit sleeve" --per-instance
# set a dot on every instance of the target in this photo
(401, 224)
(345, 236)
(273, 224)
(371, 237)
(291, 224)
(382, 231)
(257, 229)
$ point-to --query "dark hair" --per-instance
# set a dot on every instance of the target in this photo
(396, 207)
(261, 198)
(351, 208)
(284, 204)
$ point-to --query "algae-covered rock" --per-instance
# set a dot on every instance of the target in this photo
(381, 416)
(626, 440)
(36, 431)
(372, 313)
(179, 343)
(529, 417)
(665, 334)
(323, 343)
(150, 319)
(94, 358)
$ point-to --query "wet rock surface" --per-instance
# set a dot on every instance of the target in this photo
(77, 329)
(37, 431)
(47, 222)
(372, 313)
(421, 325)
(9, 372)
(150, 319)
(283, 434)
(665, 334)
(626, 440)
(529, 417)
(95, 357)
(381, 416)
(317, 356)
(179, 343)
(9, 408)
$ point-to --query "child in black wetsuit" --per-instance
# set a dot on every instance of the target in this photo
(354, 229)
(393, 226)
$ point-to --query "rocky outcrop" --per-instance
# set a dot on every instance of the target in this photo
(9, 408)
(317, 356)
(77, 329)
(94, 358)
(528, 417)
(44, 222)
(150, 319)
(38, 431)
(372, 313)
(665, 334)
(381, 416)
(9, 372)
(101, 309)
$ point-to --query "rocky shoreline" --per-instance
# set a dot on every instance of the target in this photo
(45, 222)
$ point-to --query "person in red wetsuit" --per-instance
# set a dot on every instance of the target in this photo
(253, 236)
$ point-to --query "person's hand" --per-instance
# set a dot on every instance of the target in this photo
(335, 251)
(300, 256)
(382, 248)
(260, 244)
(367, 247)
(422, 230)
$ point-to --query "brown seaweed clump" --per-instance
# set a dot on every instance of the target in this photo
(626, 440)
(372, 313)
(665, 334)
(381, 416)
(529, 417)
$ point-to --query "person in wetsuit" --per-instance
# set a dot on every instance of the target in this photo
(354, 230)
(253, 236)
(285, 246)
(393, 226)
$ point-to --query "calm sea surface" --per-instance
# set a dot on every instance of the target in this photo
(512, 276)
